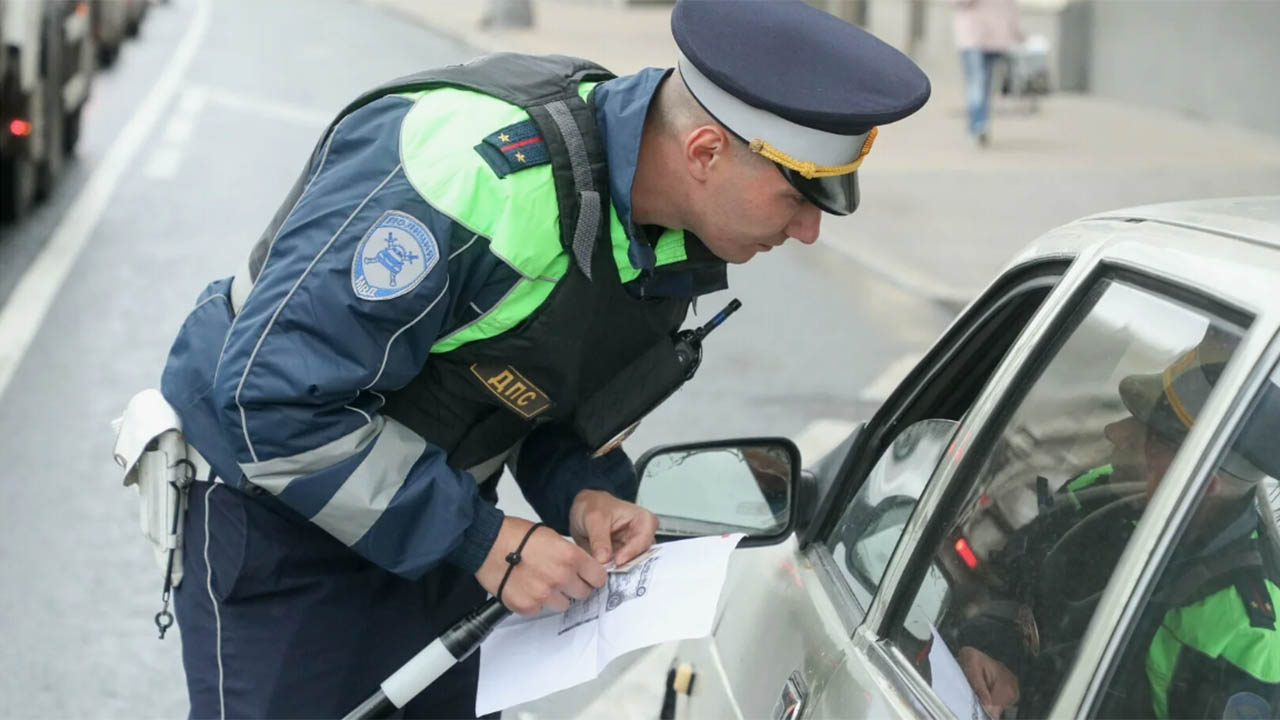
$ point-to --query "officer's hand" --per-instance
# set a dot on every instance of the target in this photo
(995, 685)
(610, 528)
(551, 569)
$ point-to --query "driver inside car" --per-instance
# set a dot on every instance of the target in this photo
(1207, 643)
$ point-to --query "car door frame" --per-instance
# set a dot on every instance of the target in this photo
(987, 417)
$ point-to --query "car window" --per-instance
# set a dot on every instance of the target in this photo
(872, 524)
(1029, 548)
(1206, 643)
(862, 518)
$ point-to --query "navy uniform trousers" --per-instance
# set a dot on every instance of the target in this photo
(283, 620)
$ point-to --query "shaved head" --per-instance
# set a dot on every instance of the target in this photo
(677, 110)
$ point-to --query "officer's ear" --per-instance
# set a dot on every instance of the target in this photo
(706, 149)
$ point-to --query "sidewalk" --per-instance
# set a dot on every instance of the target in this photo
(939, 216)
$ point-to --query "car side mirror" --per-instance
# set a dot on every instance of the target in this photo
(710, 488)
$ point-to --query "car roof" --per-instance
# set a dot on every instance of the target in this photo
(1254, 219)
(1251, 220)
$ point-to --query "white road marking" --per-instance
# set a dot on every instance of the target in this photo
(889, 378)
(183, 123)
(33, 295)
(274, 109)
(164, 162)
(902, 274)
(192, 101)
(167, 157)
(821, 437)
(179, 130)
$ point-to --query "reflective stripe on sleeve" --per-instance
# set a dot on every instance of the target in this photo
(274, 475)
(367, 492)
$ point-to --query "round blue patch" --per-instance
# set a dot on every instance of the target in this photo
(1246, 705)
(393, 257)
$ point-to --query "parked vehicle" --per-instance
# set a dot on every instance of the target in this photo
(934, 514)
(44, 83)
(114, 21)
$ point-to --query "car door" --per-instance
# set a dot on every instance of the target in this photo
(788, 608)
(988, 563)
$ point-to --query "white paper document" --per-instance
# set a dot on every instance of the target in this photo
(950, 683)
(670, 595)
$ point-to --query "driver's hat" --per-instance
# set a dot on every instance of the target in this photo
(1170, 401)
(802, 87)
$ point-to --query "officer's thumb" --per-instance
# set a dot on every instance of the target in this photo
(598, 534)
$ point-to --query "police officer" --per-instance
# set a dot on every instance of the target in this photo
(1207, 644)
(469, 257)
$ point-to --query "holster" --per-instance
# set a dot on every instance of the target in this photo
(156, 460)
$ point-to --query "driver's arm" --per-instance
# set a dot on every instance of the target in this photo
(993, 656)
(994, 632)
(993, 682)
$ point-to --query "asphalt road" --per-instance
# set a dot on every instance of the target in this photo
(190, 142)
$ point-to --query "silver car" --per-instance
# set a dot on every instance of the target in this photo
(1066, 509)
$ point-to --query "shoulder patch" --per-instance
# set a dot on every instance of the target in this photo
(512, 388)
(514, 147)
(393, 257)
(1257, 602)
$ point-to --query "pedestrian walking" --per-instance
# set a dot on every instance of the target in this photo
(468, 260)
(985, 32)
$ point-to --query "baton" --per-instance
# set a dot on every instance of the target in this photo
(452, 647)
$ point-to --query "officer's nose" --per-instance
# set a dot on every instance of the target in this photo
(805, 223)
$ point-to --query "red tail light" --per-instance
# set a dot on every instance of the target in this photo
(19, 127)
(966, 554)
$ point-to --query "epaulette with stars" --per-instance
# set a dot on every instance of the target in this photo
(513, 148)
(1257, 602)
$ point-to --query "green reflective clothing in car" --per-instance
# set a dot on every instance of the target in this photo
(1204, 647)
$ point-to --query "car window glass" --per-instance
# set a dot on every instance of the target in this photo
(1206, 643)
(1031, 544)
(869, 530)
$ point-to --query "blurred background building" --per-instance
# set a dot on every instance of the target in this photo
(1206, 58)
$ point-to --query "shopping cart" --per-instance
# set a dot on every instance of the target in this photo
(1027, 72)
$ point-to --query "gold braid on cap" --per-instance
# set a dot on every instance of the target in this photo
(1171, 375)
(810, 170)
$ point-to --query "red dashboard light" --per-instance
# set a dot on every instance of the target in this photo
(966, 554)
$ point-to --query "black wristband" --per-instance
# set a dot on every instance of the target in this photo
(513, 559)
